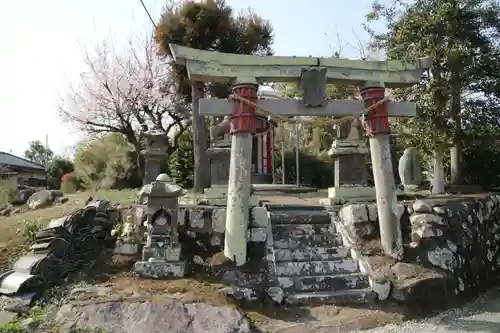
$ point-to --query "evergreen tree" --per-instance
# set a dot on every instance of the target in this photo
(462, 37)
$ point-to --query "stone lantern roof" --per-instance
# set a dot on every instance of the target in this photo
(162, 187)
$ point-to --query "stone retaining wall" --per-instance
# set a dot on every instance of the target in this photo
(453, 242)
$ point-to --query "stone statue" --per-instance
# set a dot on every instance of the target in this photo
(410, 170)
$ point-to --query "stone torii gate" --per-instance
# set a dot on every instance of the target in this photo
(246, 72)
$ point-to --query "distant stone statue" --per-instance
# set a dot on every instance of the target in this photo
(410, 170)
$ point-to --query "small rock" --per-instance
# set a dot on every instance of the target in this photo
(240, 293)
(426, 218)
(62, 200)
(6, 211)
(276, 294)
(56, 194)
(6, 317)
(40, 199)
(234, 277)
(198, 260)
(421, 206)
(29, 325)
(25, 194)
(439, 210)
(381, 286)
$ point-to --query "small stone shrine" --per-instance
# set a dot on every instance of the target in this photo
(350, 170)
(155, 154)
(161, 255)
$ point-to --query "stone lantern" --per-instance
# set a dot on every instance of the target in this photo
(161, 255)
(155, 154)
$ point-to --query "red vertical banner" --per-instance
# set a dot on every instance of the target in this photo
(377, 119)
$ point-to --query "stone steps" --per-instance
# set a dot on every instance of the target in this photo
(307, 241)
(311, 254)
(311, 263)
(300, 216)
(311, 268)
(353, 296)
(323, 282)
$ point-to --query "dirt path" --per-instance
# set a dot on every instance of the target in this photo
(480, 316)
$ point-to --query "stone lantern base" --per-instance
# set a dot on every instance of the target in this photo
(161, 262)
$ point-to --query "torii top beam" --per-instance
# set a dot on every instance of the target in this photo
(211, 66)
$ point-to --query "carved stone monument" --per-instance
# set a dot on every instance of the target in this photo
(410, 169)
(350, 170)
(161, 255)
(155, 154)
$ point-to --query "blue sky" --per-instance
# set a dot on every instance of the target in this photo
(43, 45)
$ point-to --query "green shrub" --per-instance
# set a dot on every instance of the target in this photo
(315, 170)
(29, 230)
(58, 167)
(8, 192)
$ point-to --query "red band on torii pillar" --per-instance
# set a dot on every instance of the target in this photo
(244, 118)
(377, 119)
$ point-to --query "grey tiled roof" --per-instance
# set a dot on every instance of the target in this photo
(11, 160)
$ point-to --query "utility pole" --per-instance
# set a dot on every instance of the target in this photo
(47, 161)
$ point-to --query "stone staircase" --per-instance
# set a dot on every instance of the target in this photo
(311, 264)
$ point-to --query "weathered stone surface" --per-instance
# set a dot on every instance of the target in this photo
(313, 254)
(300, 217)
(40, 199)
(421, 206)
(337, 267)
(260, 216)
(414, 283)
(324, 282)
(460, 237)
(6, 317)
(219, 220)
(332, 297)
(354, 213)
(219, 164)
(160, 316)
(159, 269)
(25, 194)
(257, 234)
(381, 286)
(357, 223)
(410, 170)
(304, 241)
(285, 231)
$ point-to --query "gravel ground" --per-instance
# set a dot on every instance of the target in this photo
(480, 316)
